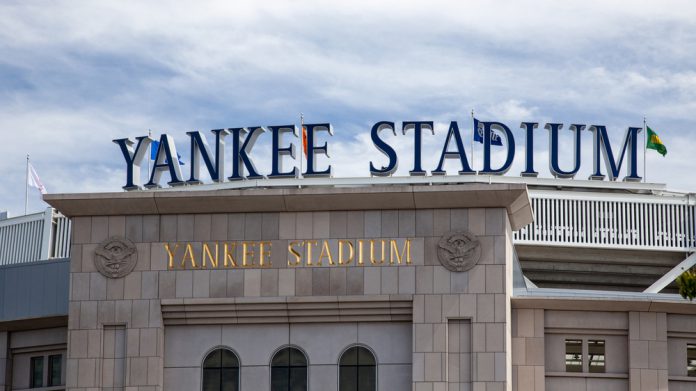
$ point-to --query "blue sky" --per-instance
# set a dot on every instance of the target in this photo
(75, 75)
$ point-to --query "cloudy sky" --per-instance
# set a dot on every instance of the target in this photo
(76, 74)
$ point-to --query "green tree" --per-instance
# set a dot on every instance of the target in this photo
(687, 284)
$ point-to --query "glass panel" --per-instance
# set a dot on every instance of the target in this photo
(211, 379)
(279, 378)
(595, 352)
(298, 379)
(230, 379)
(282, 358)
(55, 370)
(365, 357)
(367, 379)
(36, 372)
(214, 359)
(573, 355)
(297, 358)
(691, 360)
(348, 378)
(229, 359)
(350, 357)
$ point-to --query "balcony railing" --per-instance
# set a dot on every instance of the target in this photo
(607, 220)
(34, 237)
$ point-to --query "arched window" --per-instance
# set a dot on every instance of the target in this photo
(221, 371)
(357, 370)
(289, 370)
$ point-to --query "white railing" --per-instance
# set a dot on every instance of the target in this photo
(34, 237)
(607, 220)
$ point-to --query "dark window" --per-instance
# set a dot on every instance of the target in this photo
(55, 370)
(595, 351)
(221, 371)
(357, 370)
(36, 369)
(573, 355)
(691, 360)
(289, 370)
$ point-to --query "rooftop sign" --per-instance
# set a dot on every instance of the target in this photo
(216, 159)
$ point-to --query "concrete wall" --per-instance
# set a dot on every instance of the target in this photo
(438, 296)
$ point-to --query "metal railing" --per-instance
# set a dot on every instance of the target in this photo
(34, 237)
(607, 220)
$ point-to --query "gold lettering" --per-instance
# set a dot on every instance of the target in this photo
(207, 254)
(171, 253)
(351, 252)
(360, 252)
(394, 250)
(247, 253)
(293, 251)
(229, 254)
(325, 253)
(191, 257)
(264, 255)
(372, 252)
(308, 252)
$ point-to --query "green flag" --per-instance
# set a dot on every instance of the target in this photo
(655, 143)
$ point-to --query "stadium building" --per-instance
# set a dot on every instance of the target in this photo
(421, 283)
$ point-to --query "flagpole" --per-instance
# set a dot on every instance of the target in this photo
(645, 148)
(473, 135)
(149, 157)
(26, 187)
(301, 142)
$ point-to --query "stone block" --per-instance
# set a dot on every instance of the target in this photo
(117, 226)
(235, 226)
(100, 229)
(148, 342)
(433, 308)
(79, 286)
(441, 280)
(304, 225)
(81, 230)
(485, 308)
(373, 224)
(459, 282)
(201, 283)
(286, 282)
(253, 226)
(167, 284)
(477, 221)
(168, 228)
(424, 222)
(321, 282)
(337, 225)
(88, 258)
(337, 283)
(424, 279)
(407, 223)
(321, 225)
(407, 280)
(373, 280)
(151, 228)
(390, 280)
(140, 313)
(184, 283)
(132, 286)
(97, 286)
(184, 228)
(390, 224)
(459, 219)
(134, 228)
(355, 224)
(286, 226)
(235, 283)
(202, 225)
(423, 337)
(218, 283)
(355, 281)
(269, 282)
(441, 222)
(303, 282)
(252, 282)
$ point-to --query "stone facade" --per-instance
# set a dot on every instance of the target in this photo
(440, 300)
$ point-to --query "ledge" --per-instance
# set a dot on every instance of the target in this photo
(206, 199)
(588, 375)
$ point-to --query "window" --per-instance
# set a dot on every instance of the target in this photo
(36, 372)
(573, 355)
(221, 371)
(55, 370)
(289, 370)
(595, 351)
(357, 370)
(691, 360)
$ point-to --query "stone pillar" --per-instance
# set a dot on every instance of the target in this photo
(528, 350)
(115, 332)
(647, 345)
(448, 304)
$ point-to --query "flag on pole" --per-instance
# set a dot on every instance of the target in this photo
(153, 152)
(655, 143)
(34, 181)
(478, 134)
(304, 139)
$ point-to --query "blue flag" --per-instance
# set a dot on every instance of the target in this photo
(153, 152)
(478, 134)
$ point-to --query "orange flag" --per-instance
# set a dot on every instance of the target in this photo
(304, 140)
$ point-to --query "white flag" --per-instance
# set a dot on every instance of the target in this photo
(34, 181)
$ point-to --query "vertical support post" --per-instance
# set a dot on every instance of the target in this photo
(47, 234)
